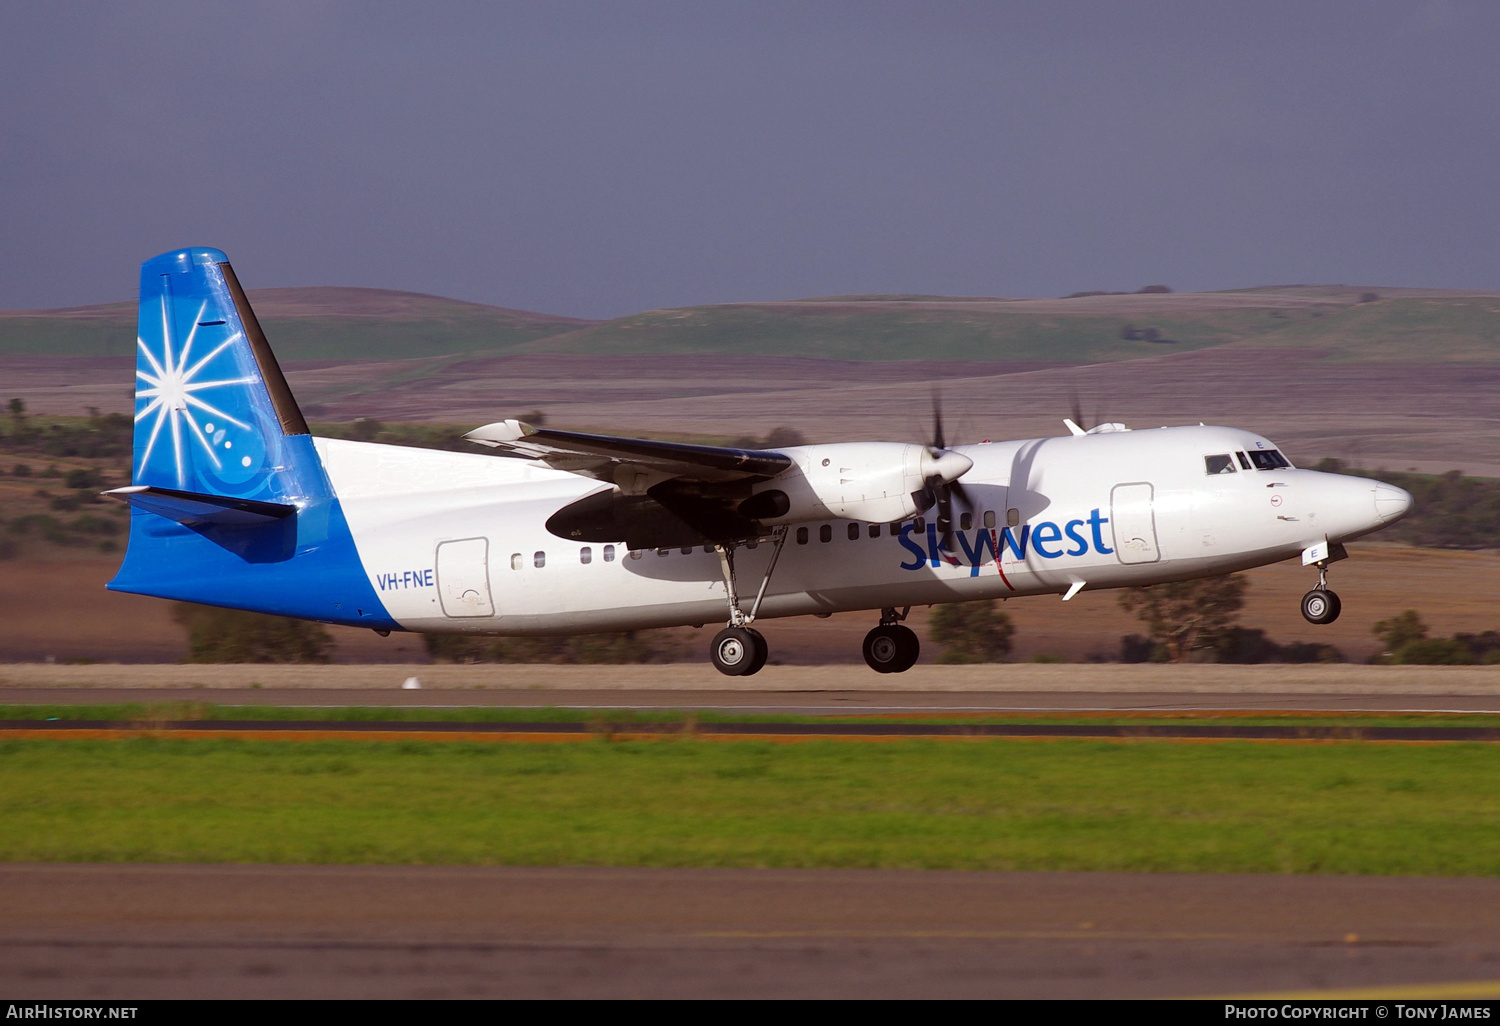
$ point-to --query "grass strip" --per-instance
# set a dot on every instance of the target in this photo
(141, 713)
(1064, 805)
(390, 730)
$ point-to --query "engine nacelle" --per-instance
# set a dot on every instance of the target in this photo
(877, 482)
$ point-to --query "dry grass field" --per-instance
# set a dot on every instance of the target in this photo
(1429, 417)
(59, 609)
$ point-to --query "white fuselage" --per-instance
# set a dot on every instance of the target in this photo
(456, 542)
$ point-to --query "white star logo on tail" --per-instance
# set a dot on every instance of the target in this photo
(173, 393)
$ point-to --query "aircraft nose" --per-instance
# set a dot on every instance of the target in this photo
(1391, 503)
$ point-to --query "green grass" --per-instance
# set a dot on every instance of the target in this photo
(1056, 805)
(143, 712)
(1402, 331)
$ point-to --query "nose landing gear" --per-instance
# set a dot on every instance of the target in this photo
(891, 647)
(1321, 605)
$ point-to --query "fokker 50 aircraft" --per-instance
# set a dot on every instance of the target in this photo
(235, 504)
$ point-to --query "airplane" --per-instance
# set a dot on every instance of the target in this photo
(234, 503)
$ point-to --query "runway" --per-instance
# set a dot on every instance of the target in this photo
(801, 703)
(102, 931)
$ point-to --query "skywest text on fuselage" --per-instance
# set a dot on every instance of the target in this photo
(1042, 538)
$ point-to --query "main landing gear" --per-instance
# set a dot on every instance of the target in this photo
(1321, 605)
(892, 647)
(739, 649)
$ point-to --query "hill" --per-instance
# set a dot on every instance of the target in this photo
(1338, 323)
(322, 323)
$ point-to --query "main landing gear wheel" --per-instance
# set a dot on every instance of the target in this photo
(739, 651)
(891, 648)
(1321, 606)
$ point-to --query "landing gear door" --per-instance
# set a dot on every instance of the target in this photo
(1134, 523)
(463, 578)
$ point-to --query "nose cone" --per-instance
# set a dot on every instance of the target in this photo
(1391, 503)
(946, 465)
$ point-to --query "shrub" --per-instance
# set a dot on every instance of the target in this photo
(1396, 632)
(971, 632)
(1250, 645)
(624, 647)
(1434, 652)
(234, 636)
(86, 478)
(1309, 652)
(1188, 615)
(1135, 648)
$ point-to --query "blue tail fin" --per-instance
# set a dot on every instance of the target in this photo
(217, 430)
(213, 412)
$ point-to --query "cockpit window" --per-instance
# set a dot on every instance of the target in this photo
(1268, 459)
(1222, 464)
(1244, 460)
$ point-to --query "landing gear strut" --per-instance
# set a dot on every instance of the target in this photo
(739, 649)
(892, 647)
(1321, 605)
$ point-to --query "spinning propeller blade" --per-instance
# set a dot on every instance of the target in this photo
(943, 469)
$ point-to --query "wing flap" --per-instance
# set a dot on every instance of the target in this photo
(600, 455)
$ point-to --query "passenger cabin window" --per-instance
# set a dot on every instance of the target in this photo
(1012, 518)
(609, 553)
(585, 555)
(517, 561)
(1269, 459)
(854, 532)
(825, 533)
(919, 525)
(687, 550)
(965, 521)
(1244, 460)
(539, 559)
(1221, 464)
(637, 553)
(663, 552)
(874, 530)
(801, 536)
(989, 519)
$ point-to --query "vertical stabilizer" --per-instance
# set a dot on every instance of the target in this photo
(213, 412)
(231, 505)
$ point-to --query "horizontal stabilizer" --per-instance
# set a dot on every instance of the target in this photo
(197, 508)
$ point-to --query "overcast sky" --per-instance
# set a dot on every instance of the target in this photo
(598, 159)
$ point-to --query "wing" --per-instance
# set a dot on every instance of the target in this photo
(605, 456)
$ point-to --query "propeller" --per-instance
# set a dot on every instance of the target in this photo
(941, 470)
(1078, 424)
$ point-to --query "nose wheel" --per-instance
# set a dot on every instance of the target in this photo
(891, 647)
(739, 651)
(1321, 605)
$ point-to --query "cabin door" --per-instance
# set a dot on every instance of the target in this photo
(463, 577)
(1134, 523)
